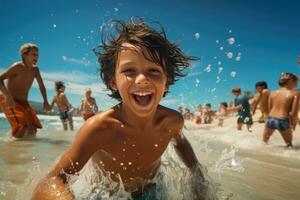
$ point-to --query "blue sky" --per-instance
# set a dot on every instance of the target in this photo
(266, 42)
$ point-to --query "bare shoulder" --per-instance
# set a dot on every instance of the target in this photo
(266, 92)
(104, 122)
(171, 117)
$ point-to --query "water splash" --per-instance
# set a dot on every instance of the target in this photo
(228, 161)
(197, 36)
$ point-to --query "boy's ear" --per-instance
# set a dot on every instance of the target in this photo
(113, 84)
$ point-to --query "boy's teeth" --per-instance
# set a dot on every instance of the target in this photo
(142, 93)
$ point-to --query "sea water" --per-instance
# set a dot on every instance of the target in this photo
(236, 165)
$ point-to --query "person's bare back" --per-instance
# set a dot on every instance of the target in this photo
(263, 103)
(283, 106)
(281, 102)
(61, 102)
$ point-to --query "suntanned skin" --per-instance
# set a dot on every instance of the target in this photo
(87, 102)
(129, 138)
(20, 77)
(262, 100)
(284, 103)
(61, 101)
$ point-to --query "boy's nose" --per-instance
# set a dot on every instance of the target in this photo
(141, 79)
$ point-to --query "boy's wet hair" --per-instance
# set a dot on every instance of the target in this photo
(261, 84)
(160, 51)
(26, 48)
(58, 85)
(236, 90)
(208, 105)
(286, 77)
(224, 104)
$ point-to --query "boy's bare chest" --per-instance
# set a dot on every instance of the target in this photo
(134, 154)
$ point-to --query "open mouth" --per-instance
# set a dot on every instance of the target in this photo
(142, 98)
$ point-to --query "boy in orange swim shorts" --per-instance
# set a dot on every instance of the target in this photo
(13, 100)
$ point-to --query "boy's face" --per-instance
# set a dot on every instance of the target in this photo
(236, 94)
(88, 93)
(140, 82)
(259, 88)
(31, 57)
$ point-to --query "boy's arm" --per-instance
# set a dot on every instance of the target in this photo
(42, 89)
(270, 102)
(186, 153)
(91, 137)
(295, 110)
(256, 101)
(10, 72)
(96, 105)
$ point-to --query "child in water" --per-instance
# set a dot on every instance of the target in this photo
(208, 113)
(283, 106)
(138, 65)
(88, 105)
(198, 114)
(222, 112)
(242, 106)
(261, 99)
(14, 97)
(63, 105)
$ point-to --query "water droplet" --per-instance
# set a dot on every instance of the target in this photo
(124, 150)
(221, 48)
(219, 63)
(76, 163)
(121, 164)
(197, 36)
(124, 142)
(116, 9)
(231, 40)
(122, 125)
(54, 25)
(114, 159)
(217, 41)
(112, 172)
(129, 163)
(156, 145)
(233, 74)
(138, 153)
(124, 168)
(238, 58)
(229, 55)
(133, 145)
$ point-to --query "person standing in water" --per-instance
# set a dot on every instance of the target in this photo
(242, 106)
(63, 105)
(137, 65)
(262, 99)
(88, 105)
(14, 97)
(284, 107)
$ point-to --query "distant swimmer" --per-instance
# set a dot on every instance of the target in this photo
(88, 105)
(242, 106)
(262, 99)
(14, 98)
(63, 105)
(138, 65)
(222, 113)
(284, 107)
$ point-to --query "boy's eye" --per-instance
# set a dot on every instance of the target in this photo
(155, 71)
(128, 72)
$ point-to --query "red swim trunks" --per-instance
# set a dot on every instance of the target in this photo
(20, 115)
(87, 116)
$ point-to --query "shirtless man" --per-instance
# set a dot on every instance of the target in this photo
(88, 105)
(283, 106)
(129, 139)
(262, 99)
(63, 105)
(14, 98)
